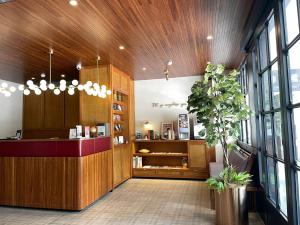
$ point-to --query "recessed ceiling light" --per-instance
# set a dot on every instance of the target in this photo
(32, 78)
(209, 37)
(73, 2)
(121, 47)
(208, 62)
(43, 75)
(170, 62)
(144, 68)
(62, 75)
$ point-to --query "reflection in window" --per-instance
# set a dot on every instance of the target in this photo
(266, 91)
(275, 86)
(262, 174)
(271, 179)
(294, 72)
(278, 135)
(272, 39)
(291, 19)
(296, 119)
(281, 187)
(263, 50)
(268, 134)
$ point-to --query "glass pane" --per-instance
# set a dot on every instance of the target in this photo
(263, 50)
(244, 131)
(291, 19)
(275, 86)
(272, 39)
(294, 72)
(296, 120)
(271, 179)
(268, 134)
(262, 175)
(266, 91)
(278, 135)
(298, 175)
(281, 187)
(249, 131)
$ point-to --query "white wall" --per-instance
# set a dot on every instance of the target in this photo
(164, 92)
(11, 111)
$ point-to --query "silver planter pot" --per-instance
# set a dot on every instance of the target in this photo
(231, 206)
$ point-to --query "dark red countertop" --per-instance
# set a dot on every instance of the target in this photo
(53, 147)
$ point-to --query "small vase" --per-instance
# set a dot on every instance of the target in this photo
(231, 206)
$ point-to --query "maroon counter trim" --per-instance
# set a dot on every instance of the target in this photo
(54, 148)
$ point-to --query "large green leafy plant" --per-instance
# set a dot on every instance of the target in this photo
(220, 105)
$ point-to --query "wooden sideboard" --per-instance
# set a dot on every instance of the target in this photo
(166, 157)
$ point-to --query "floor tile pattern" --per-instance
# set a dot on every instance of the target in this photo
(137, 201)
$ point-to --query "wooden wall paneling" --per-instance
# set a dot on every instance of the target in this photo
(33, 111)
(109, 170)
(124, 83)
(54, 111)
(116, 79)
(131, 111)
(117, 165)
(92, 109)
(197, 154)
(7, 181)
(126, 162)
(71, 110)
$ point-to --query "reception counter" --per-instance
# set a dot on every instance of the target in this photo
(55, 174)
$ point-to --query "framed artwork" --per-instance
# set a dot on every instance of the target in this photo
(165, 127)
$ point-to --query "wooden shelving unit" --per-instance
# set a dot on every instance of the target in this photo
(166, 158)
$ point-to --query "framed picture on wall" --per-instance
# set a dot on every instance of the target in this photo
(165, 127)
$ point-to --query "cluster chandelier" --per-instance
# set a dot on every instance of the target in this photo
(89, 87)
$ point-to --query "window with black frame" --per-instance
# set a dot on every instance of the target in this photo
(292, 49)
(245, 125)
(271, 156)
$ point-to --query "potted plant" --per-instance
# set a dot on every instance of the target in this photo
(220, 105)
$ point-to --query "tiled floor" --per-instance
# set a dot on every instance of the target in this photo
(138, 201)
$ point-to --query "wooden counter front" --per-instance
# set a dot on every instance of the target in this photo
(69, 183)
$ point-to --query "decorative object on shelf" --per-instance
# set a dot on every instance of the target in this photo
(121, 140)
(138, 136)
(87, 132)
(72, 133)
(78, 131)
(169, 105)
(220, 106)
(183, 127)
(151, 134)
(93, 131)
(184, 162)
(198, 129)
(165, 128)
(144, 151)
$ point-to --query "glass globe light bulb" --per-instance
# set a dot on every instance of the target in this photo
(89, 83)
(38, 91)
(4, 85)
(21, 87)
(56, 91)
(71, 91)
(51, 86)
(43, 82)
(12, 89)
(26, 91)
(29, 82)
(103, 87)
(43, 87)
(62, 87)
(7, 94)
(108, 92)
(63, 82)
(75, 82)
(80, 87)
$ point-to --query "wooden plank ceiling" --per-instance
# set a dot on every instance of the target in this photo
(152, 31)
